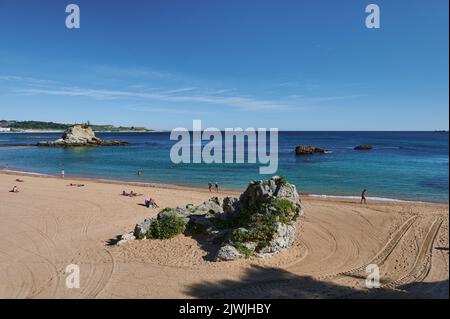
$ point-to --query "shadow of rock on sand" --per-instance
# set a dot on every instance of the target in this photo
(273, 283)
(113, 241)
(209, 247)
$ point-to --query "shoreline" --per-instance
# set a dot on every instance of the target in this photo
(326, 197)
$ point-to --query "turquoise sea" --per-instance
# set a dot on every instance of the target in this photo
(402, 165)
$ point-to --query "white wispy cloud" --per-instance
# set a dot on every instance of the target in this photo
(167, 110)
(226, 97)
(336, 97)
(247, 103)
(180, 90)
(133, 72)
(27, 80)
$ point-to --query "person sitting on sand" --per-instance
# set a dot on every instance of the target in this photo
(14, 190)
(363, 196)
(152, 201)
(130, 194)
(148, 203)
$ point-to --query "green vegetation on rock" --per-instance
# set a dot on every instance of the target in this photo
(168, 226)
(261, 220)
(259, 223)
(247, 252)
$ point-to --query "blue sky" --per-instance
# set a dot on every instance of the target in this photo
(293, 65)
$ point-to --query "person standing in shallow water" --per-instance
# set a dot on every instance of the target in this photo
(217, 187)
(210, 187)
(363, 196)
(62, 173)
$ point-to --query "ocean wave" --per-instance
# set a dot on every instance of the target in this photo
(3, 169)
(375, 199)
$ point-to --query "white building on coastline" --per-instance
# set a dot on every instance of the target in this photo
(5, 129)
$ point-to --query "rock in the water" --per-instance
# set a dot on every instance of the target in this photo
(80, 135)
(363, 147)
(308, 150)
(227, 253)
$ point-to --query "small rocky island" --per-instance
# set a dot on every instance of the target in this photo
(308, 150)
(363, 147)
(260, 223)
(80, 135)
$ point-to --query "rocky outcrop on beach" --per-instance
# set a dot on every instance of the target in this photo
(260, 223)
(80, 135)
(125, 238)
(363, 147)
(308, 150)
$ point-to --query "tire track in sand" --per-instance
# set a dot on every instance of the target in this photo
(382, 255)
(44, 250)
(418, 272)
(422, 264)
(100, 261)
(284, 284)
(101, 264)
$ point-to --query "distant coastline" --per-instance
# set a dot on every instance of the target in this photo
(62, 131)
(13, 126)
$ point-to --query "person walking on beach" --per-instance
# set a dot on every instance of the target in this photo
(363, 196)
(216, 185)
(62, 173)
(210, 186)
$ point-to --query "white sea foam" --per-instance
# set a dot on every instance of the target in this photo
(23, 172)
(375, 199)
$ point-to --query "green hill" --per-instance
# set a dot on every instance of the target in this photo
(40, 125)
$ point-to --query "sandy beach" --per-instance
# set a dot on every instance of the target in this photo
(49, 225)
